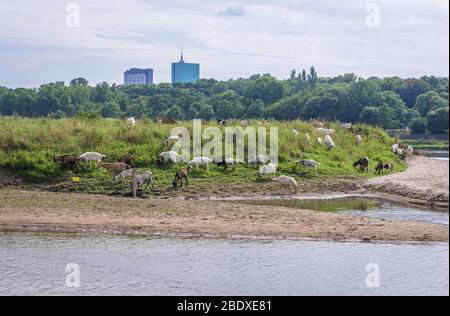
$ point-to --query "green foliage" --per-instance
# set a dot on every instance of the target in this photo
(437, 120)
(428, 102)
(418, 125)
(27, 147)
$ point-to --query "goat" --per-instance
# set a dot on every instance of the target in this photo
(127, 159)
(324, 131)
(319, 141)
(226, 163)
(363, 164)
(286, 182)
(131, 122)
(222, 122)
(114, 167)
(358, 140)
(92, 156)
(145, 178)
(179, 176)
(200, 161)
(329, 142)
(347, 126)
(295, 132)
(308, 138)
(68, 161)
(171, 139)
(410, 151)
(309, 163)
(389, 166)
(167, 156)
(379, 167)
(258, 159)
(125, 174)
(394, 148)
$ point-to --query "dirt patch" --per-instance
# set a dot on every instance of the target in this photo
(73, 212)
(425, 179)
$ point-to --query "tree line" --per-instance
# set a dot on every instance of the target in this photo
(418, 103)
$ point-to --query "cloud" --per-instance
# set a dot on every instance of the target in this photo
(232, 12)
(271, 36)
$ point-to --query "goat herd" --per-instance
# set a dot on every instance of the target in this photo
(123, 169)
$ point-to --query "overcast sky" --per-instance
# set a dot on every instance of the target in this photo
(230, 39)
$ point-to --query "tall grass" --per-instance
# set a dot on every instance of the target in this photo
(27, 147)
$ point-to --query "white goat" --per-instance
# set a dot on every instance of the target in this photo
(259, 159)
(267, 169)
(171, 139)
(168, 156)
(394, 148)
(200, 162)
(329, 142)
(358, 140)
(410, 151)
(286, 182)
(319, 141)
(347, 126)
(324, 131)
(309, 163)
(125, 174)
(92, 156)
(295, 132)
(131, 122)
(145, 178)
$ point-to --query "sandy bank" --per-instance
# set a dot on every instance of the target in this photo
(47, 211)
(425, 179)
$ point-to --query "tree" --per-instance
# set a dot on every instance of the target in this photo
(411, 89)
(79, 81)
(176, 113)
(111, 110)
(371, 115)
(418, 125)
(312, 77)
(256, 109)
(206, 112)
(429, 101)
(437, 120)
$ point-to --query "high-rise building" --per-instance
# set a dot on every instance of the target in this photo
(138, 76)
(184, 72)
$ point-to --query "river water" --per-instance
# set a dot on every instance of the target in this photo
(34, 264)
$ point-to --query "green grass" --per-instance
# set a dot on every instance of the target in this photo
(427, 144)
(27, 147)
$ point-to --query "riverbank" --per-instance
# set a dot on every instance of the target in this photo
(89, 213)
(425, 182)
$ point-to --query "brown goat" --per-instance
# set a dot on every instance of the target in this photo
(179, 176)
(68, 161)
(127, 159)
(115, 167)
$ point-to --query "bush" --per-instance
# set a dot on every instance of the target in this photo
(418, 125)
(437, 120)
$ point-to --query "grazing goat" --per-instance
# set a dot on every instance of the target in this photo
(347, 126)
(115, 167)
(329, 142)
(286, 182)
(68, 161)
(171, 139)
(259, 159)
(125, 174)
(324, 131)
(358, 140)
(145, 178)
(92, 156)
(229, 162)
(167, 156)
(309, 164)
(319, 141)
(222, 122)
(410, 151)
(389, 166)
(244, 123)
(127, 159)
(200, 162)
(131, 122)
(267, 169)
(394, 148)
(363, 164)
(295, 132)
(179, 176)
(379, 167)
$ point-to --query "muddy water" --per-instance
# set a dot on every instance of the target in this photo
(33, 264)
(358, 205)
(436, 154)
